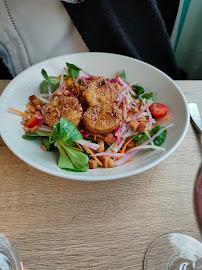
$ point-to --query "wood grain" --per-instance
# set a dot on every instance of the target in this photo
(65, 224)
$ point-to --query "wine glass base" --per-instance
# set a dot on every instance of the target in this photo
(174, 251)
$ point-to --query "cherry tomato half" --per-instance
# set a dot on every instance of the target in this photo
(33, 121)
(158, 110)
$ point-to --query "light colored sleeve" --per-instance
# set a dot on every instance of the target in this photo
(32, 31)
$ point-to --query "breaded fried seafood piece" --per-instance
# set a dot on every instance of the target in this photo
(102, 118)
(99, 91)
(68, 107)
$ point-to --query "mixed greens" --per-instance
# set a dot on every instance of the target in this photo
(54, 82)
(76, 146)
(62, 139)
(158, 141)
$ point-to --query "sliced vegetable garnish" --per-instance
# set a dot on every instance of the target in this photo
(92, 154)
(126, 144)
(157, 141)
(131, 154)
(34, 120)
(147, 147)
(163, 120)
(19, 112)
(89, 144)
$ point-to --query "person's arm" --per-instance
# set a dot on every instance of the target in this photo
(32, 31)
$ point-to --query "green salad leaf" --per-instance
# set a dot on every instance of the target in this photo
(158, 141)
(73, 71)
(68, 131)
(43, 133)
(44, 87)
(123, 75)
(161, 138)
(36, 134)
(140, 137)
(51, 81)
(62, 138)
(148, 97)
(71, 159)
(45, 75)
(47, 143)
(56, 128)
(30, 136)
(139, 90)
(77, 158)
(53, 137)
(65, 164)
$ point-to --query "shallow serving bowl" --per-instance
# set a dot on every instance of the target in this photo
(153, 80)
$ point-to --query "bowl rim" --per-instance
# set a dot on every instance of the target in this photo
(81, 177)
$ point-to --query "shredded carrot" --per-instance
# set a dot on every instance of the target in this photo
(126, 143)
(69, 82)
(161, 121)
(98, 135)
(117, 75)
(78, 145)
(95, 136)
(65, 77)
(130, 159)
(19, 112)
(92, 154)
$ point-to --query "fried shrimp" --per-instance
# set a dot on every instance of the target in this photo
(102, 118)
(68, 107)
(100, 91)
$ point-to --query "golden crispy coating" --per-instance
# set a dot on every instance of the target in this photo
(99, 91)
(102, 119)
(68, 107)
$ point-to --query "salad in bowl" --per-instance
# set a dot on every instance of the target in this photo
(93, 121)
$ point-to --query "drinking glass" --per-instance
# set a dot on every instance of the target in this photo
(9, 259)
(178, 251)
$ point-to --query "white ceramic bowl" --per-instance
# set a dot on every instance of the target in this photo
(27, 83)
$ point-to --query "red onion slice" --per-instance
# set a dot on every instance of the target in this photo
(87, 74)
(117, 134)
(110, 154)
(113, 80)
(128, 156)
(42, 99)
(126, 86)
(45, 128)
(146, 147)
(91, 145)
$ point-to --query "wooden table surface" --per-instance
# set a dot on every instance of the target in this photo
(59, 224)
